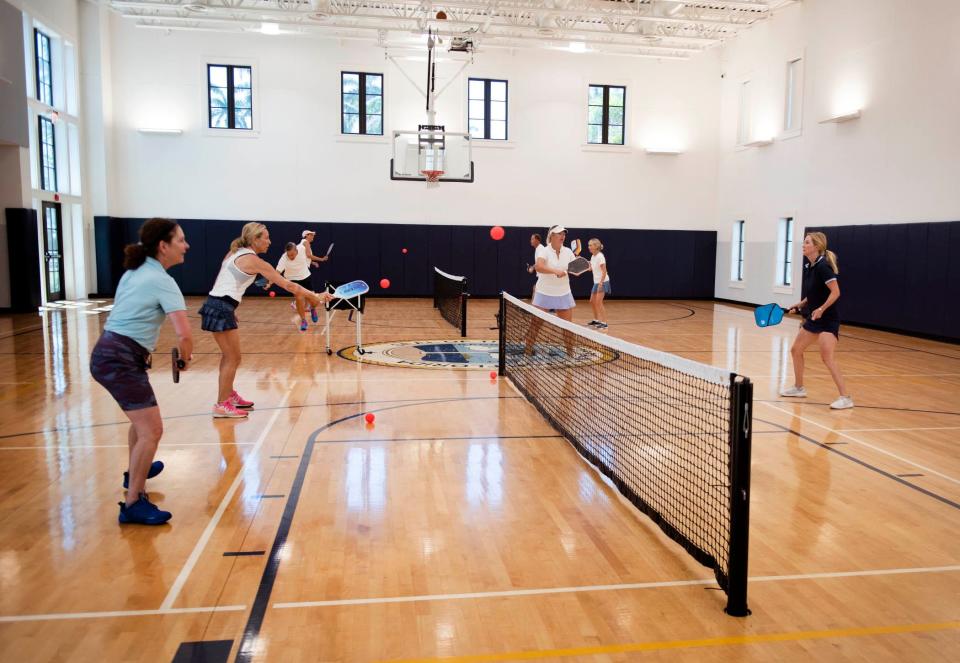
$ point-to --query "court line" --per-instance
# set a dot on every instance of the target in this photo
(882, 430)
(261, 602)
(866, 444)
(206, 413)
(659, 645)
(606, 588)
(166, 445)
(212, 525)
(830, 446)
(117, 613)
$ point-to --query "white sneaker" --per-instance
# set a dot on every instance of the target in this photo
(842, 403)
(794, 392)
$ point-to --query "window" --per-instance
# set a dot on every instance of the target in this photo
(736, 252)
(791, 118)
(48, 155)
(605, 114)
(785, 252)
(44, 68)
(743, 129)
(361, 103)
(230, 96)
(487, 108)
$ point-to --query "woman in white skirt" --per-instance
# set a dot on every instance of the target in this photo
(553, 283)
(552, 291)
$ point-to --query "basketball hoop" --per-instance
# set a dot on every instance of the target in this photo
(432, 175)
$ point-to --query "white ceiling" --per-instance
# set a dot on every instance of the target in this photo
(644, 28)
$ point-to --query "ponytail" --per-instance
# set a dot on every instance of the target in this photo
(819, 240)
(152, 232)
(832, 261)
(250, 232)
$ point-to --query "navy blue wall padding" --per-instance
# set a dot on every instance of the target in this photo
(901, 277)
(24, 259)
(642, 263)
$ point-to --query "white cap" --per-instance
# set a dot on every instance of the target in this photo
(556, 230)
(307, 232)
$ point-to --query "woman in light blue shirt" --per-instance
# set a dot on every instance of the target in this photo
(145, 297)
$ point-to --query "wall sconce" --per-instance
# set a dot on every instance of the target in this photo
(666, 151)
(165, 132)
(846, 117)
(763, 142)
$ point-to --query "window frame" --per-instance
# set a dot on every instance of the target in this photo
(44, 167)
(487, 101)
(362, 104)
(231, 106)
(737, 251)
(793, 96)
(785, 260)
(45, 64)
(605, 115)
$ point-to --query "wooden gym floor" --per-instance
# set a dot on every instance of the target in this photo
(459, 525)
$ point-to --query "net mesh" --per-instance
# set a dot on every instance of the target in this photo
(450, 297)
(659, 426)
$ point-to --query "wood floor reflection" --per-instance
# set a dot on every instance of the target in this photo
(459, 524)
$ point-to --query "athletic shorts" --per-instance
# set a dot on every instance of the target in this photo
(217, 314)
(596, 288)
(120, 364)
(303, 283)
(821, 325)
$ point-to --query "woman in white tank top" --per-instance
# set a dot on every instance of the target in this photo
(239, 269)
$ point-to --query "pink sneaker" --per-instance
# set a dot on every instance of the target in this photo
(227, 410)
(238, 401)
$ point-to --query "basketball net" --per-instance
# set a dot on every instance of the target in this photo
(433, 176)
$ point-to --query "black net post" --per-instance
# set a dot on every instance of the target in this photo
(501, 323)
(741, 413)
(463, 314)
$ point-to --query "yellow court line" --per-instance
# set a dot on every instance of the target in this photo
(685, 644)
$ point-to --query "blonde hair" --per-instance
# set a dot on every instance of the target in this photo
(595, 242)
(819, 240)
(250, 232)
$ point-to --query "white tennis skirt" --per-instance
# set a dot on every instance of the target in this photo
(557, 302)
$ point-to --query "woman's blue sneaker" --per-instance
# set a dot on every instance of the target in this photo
(156, 467)
(142, 512)
(313, 315)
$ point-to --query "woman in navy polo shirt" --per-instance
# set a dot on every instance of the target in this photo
(145, 297)
(821, 319)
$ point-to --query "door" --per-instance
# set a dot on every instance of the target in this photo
(53, 250)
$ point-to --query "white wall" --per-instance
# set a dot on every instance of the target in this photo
(900, 162)
(298, 167)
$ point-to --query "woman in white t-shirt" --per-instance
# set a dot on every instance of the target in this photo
(537, 245)
(553, 283)
(601, 283)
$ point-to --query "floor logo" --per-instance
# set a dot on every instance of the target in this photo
(471, 355)
(462, 354)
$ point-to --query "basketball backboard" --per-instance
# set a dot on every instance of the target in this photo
(431, 150)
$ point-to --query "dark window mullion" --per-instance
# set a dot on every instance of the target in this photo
(486, 109)
(362, 105)
(231, 114)
(605, 134)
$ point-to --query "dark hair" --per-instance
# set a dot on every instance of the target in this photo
(537, 237)
(290, 245)
(152, 232)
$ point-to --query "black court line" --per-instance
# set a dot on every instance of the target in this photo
(909, 475)
(441, 439)
(283, 457)
(261, 409)
(270, 497)
(862, 463)
(261, 602)
(245, 553)
(211, 651)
